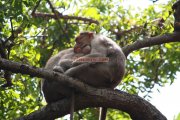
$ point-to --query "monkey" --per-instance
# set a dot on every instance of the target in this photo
(98, 74)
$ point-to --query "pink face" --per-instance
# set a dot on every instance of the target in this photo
(83, 43)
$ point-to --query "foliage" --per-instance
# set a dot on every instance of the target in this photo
(42, 37)
(178, 117)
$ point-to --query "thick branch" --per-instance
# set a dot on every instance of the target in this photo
(134, 105)
(175, 37)
(138, 108)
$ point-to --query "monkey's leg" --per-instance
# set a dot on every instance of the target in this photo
(102, 113)
(75, 70)
(58, 68)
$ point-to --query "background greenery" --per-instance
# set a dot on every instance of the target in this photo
(41, 37)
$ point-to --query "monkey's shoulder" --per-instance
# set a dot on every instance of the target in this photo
(55, 59)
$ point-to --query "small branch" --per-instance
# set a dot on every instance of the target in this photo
(59, 15)
(174, 37)
(34, 10)
(15, 33)
(53, 10)
(125, 32)
(12, 28)
(5, 49)
(66, 17)
(7, 76)
(2, 50)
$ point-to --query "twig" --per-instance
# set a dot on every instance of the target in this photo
(56, 15)
(33, 12)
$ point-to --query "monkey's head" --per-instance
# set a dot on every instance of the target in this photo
(83, 42)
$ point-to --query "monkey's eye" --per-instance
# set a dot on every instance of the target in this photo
(80, 43)
(78, 38)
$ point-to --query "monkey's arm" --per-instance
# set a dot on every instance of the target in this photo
(90, 58)
(66, 62)
(76, 69)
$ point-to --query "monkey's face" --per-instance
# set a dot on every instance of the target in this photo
(83, 43)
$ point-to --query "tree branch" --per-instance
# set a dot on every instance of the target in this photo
(174, 37)
(65, 17)
(138, 108)
(59, 15)
(132, 104)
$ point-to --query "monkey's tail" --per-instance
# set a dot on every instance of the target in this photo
(72, 106)
(102, 115)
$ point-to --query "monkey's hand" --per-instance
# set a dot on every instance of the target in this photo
(58, 69)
